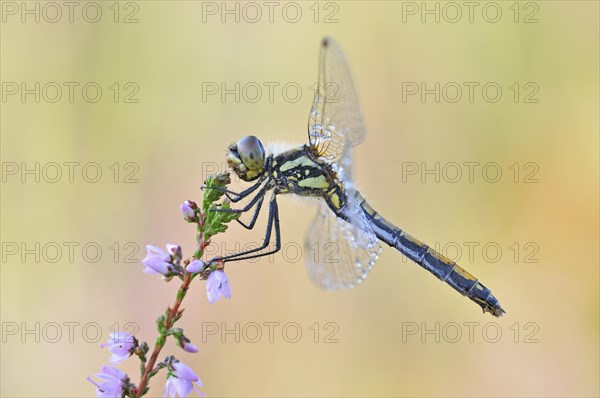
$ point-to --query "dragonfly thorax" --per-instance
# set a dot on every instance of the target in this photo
(301, 172)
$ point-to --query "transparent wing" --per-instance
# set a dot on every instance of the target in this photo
(340, 254)
(335, 123)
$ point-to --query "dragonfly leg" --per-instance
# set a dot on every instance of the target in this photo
(254, 216)
(251, 204)
(235, 197)
(273, 223)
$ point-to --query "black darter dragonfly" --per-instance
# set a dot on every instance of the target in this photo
(322, 169)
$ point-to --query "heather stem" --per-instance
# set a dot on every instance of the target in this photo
(160, 342)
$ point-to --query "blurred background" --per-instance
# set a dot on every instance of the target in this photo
(482, 141)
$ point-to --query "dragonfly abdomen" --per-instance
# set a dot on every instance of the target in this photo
(442, 267)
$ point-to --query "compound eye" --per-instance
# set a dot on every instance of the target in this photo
(251, 152)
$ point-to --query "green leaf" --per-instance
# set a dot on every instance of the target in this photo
(160, 324)
(211, 195)
(215, 221)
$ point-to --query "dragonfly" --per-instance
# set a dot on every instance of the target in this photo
(322, 169)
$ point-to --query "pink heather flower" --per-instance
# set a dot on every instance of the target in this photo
(217, 285)
(121, 345)
(113, 383)
(195, 266)
(157, 261)
(181, 382)
(188, 209)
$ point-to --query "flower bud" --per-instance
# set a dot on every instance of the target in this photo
(188, 346)
(195, 266)
(188, 209)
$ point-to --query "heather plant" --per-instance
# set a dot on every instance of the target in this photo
(170, 264)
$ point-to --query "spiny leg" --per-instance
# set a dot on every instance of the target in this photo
(267, 239)
(258, 198)
(237, 195)
(254, 216)
(251, 204)
(272, 222)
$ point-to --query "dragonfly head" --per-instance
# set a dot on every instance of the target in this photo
(247, 158)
